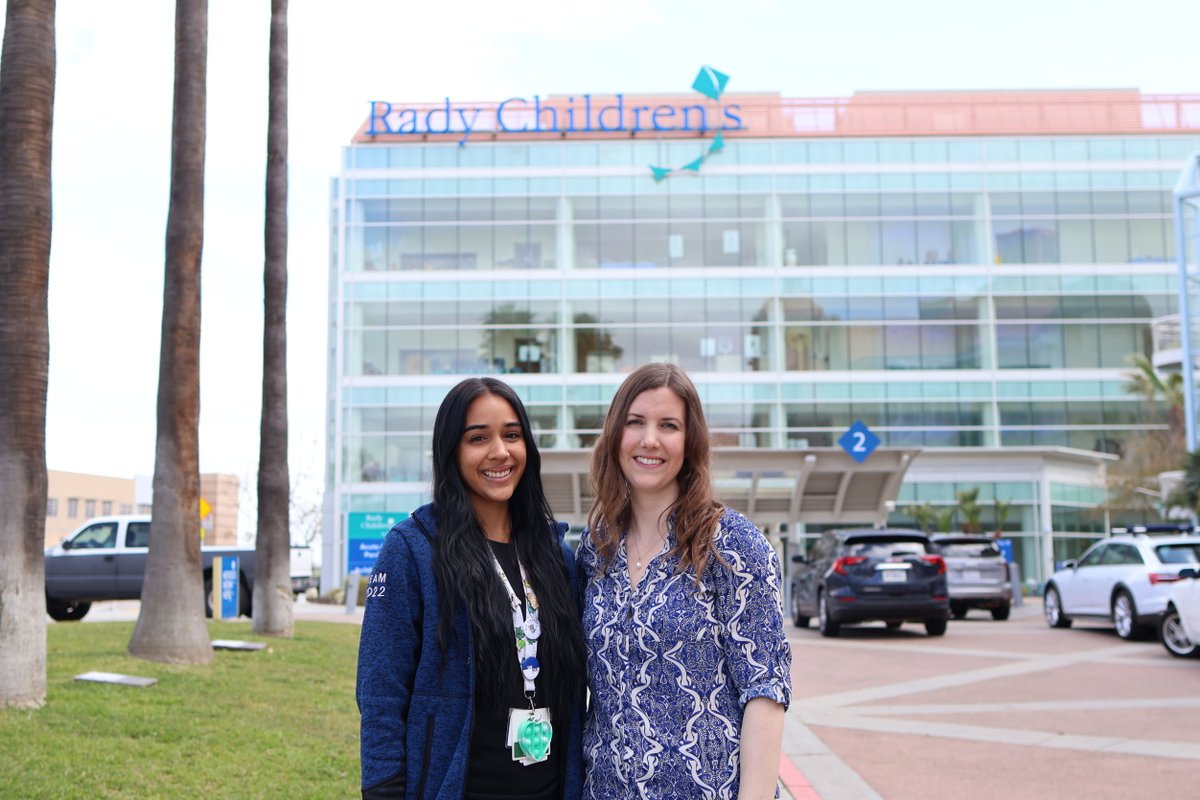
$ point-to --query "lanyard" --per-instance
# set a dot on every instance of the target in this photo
(526, 627)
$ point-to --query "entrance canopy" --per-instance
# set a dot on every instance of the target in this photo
(771, 487)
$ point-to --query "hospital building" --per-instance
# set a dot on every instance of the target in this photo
(966, 274)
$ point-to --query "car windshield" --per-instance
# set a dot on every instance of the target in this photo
(884, 548)
(1188, 553)
(969, 549)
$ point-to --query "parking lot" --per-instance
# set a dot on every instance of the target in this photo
(992, 710)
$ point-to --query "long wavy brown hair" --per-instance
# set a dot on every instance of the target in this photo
(695, 513)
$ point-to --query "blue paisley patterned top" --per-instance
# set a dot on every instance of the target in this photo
(671, 665)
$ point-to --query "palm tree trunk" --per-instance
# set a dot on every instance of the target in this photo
(26, 117)
(171, 625)
(272, 607)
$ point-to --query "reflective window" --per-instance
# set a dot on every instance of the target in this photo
(102, 535)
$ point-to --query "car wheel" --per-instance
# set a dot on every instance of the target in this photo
(1000, 613)
(208, 584)
(958, 610)
(893, 625)
(798, 619)
(1053, 610)
(1173, 637)
(245, 598)
(935, 627)
(827, 625)
(67, 610)
(1124, 616)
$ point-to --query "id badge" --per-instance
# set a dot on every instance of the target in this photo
(529, 735)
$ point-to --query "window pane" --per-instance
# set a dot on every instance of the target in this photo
(1112, 241)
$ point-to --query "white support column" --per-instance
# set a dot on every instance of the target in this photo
(1046, 526)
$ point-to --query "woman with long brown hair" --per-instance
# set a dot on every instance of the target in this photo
(688, 665)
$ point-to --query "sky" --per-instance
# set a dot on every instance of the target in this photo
(112, 128)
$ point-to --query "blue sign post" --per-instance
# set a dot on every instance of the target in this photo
(365, 532)
(1006, 547)
(858, 441)
(226, 605)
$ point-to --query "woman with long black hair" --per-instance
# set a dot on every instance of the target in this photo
(471, 659)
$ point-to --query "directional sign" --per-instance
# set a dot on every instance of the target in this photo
(859, 442)
(365, 532)
(1006, 547)
(225, 586)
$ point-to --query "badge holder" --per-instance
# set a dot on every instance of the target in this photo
(529, 729)
(529, 734)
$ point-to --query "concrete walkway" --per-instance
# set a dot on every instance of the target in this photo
(993, 710)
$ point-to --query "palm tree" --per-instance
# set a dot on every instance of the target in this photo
(1148, 382)
(925, 515)
(26, 117)
(170, 625)
(1134, 480)
(968, 506)
(1001, 508)
(1186, 493)
(272, 605)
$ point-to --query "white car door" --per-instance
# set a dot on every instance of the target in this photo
(1080, 592)
(1186, 596)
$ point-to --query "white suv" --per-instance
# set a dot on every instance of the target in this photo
(1124, 579)
(1179, 627)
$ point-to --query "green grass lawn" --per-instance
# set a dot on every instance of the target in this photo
(270, 724)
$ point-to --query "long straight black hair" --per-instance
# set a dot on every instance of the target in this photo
(466, 578)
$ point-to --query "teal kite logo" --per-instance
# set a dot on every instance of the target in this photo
(710, 83)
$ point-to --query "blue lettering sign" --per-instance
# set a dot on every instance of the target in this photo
(379, 113)
(504, 126)
(619, 108)
(662, 111)
(467, 125)
(229, 587)
(444, 111)
(365, 532)
(518, 115)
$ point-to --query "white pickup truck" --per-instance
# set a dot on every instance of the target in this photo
(105, 559)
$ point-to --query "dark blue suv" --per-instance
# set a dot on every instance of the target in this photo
(889, 575)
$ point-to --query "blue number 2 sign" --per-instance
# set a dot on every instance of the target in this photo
(859, 442)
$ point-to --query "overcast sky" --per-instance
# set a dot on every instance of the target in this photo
(112, 144)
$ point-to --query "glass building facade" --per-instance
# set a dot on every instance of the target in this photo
(964, 290)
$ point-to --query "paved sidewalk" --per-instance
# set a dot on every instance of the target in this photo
(991, 711)
(327, 612)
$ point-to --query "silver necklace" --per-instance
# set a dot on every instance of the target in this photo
(641, 554)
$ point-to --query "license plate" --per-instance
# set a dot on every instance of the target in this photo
(895, 575)
(971, 575)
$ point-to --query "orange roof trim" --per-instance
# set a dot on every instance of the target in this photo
(769, 115)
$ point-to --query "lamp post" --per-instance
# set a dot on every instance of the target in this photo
(1187, 190)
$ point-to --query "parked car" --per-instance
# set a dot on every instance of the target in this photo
(1179, 625)
(105, 558)
(976, 574)
(1123, 579)
(888, 575)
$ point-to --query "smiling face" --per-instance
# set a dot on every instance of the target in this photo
(652, 445)
(491, 454)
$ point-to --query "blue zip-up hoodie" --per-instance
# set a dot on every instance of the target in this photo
(418, 708)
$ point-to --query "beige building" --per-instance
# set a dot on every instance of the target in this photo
(220, 493)
(72, 498)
